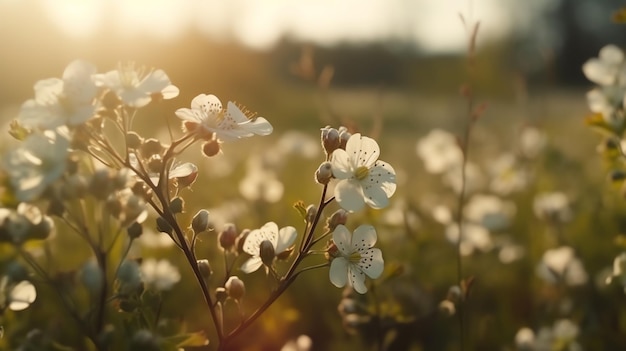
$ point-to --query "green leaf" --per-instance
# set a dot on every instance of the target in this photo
(186, 340)
(301, 208)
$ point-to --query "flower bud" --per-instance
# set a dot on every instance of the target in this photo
(338, 217)
(241, 239)
(110, 101)
(163, 226)
(91, 276)
(235, 287)
(177, 205)
(205, 268)
(134, 230)
(142, 190)
(101, 184)
(267, 252)
(344, 135)
(133, 140)
(228, 236)
(144, 340)
(211, 148)
(75, 187)
(154, 164)
(311, 212)
(151, 147)
(220, 294)
(188, 180)
(330, 140)
(43, 229)
(324, 173)
(200, 222)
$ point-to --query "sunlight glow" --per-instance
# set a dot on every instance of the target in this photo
(434, 26)
(75, 18)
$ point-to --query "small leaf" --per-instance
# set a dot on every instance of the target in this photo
(301, 208)
(187, 340)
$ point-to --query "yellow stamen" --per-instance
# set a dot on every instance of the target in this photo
(361, 172)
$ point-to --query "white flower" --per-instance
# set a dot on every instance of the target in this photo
(440, 151)
(65, 101)
(490, 211)
(302, 343)
(39, 161)
(619, 271)
(363, 179)
(134, 87)
(561, 264)
(182, 172)
(207, 116)
(532, 141)
(474, 179)
(261, 182)
(355, 257)
(475, 237)
(160, 275)
(609, 103)
(17, 296)
(507, 175)
(552, 206)
(608, 68)
(280, 241)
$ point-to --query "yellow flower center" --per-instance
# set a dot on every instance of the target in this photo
(355, 257)
(361, 172)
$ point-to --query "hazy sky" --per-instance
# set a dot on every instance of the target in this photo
(434, 25)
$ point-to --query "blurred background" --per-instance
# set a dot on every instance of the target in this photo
(392, 68)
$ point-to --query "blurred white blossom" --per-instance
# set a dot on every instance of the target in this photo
(607, 68)
(301, 343)
(39, 161)
(532, 142)
(160, 274)
(562, 265)
(134, 86)
(490, 211)
(66, 101)
(618, 275)
(17, 296)
(474, 237)
(507, 176)
(552, 206)
(474, 178)
(439, 151)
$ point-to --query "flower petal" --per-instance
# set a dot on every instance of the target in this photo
(252, 264)
(154, 82)
(286, 237)
(372, 263)
(189, 115)
(357, 279)
(269, 231)
(363, 238)
(22, 295)
(169, 92)
(259, 126)
(338, 272)
(183, 170)
(342, 239)
(253, 242)
(363, 151)
(47, 91)
(209, 104)
(349, 195)
(340, 164)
